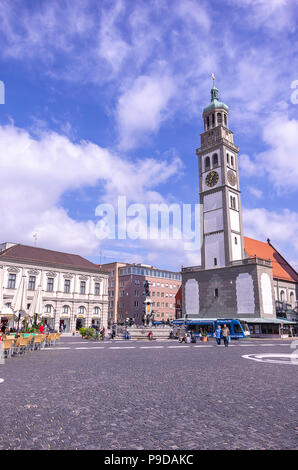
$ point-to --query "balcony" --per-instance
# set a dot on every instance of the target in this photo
(253, 260)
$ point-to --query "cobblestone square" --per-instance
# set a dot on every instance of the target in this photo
(141, 395)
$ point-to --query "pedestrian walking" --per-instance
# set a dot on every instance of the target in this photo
(218, 334)
(225, 334)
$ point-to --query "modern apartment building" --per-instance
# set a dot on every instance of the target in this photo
(126, 291)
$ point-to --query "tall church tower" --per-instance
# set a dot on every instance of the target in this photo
(221, 227)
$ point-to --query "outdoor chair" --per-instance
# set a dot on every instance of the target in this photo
(26, 344)
(43, 341)
(17, 347)
(37, 342)
(48, 340)
(7, 347)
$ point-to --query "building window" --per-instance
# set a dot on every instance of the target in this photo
(97, 311)
(208, 122)
(282, 296)
(50, 284)
(65, 309)
(136, 303)
(215, 160)
(67, 286)
(83, 287)
(96, 288)
(213, 119)
(12, 281)
(225, 119)
(207, 164)
(216, 292)
(236, 241)
(81, 310)
(215, 261)
(48, 309)
(31, 284)
(233, 202)
(219, 118)
(228, 159)
(232, 160)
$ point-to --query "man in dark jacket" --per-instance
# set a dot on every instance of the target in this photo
(225, 332)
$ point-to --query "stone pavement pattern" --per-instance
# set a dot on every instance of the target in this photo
(156, 398)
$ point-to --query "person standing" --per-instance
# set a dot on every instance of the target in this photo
(225, 334)
(218, 334)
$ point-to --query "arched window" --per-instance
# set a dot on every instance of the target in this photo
(236, 241)
(225, 119)
(65, 309)
(219, 118)
(292, 299)
(282, 295)
(96, 311)
(81, 310)
(228, 159)
(213, 120)
(208, 122)
(232, 160)
(48, 308)
(207, 164)
(215, 160)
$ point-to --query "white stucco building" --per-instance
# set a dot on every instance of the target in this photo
(74, 290)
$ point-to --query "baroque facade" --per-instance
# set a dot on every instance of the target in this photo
(74, 290)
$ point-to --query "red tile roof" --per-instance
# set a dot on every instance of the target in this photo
(281, 268)
(41, 255)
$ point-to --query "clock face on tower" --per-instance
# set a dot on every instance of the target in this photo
(231, 177)
(212, 178)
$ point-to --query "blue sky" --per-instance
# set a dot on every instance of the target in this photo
(104, 98)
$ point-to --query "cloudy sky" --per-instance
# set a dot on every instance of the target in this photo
(104, 98)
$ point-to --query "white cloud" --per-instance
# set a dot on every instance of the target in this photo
(143, 107)
(280, 160)
(255, 192)
(280, 227)
(36, 172)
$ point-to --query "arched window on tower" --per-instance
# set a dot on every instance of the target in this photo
(207, 164)
(213, 119)
(236, 241)
(219, 118)
(228, 159)
(232, 160)
(215, 160)
(225, 119)
(208, 122)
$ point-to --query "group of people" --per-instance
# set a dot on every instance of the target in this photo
(222, 333)
(100, 333)
(187, 338)
(43, 328)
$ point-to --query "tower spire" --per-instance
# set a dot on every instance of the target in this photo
(214, 90)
